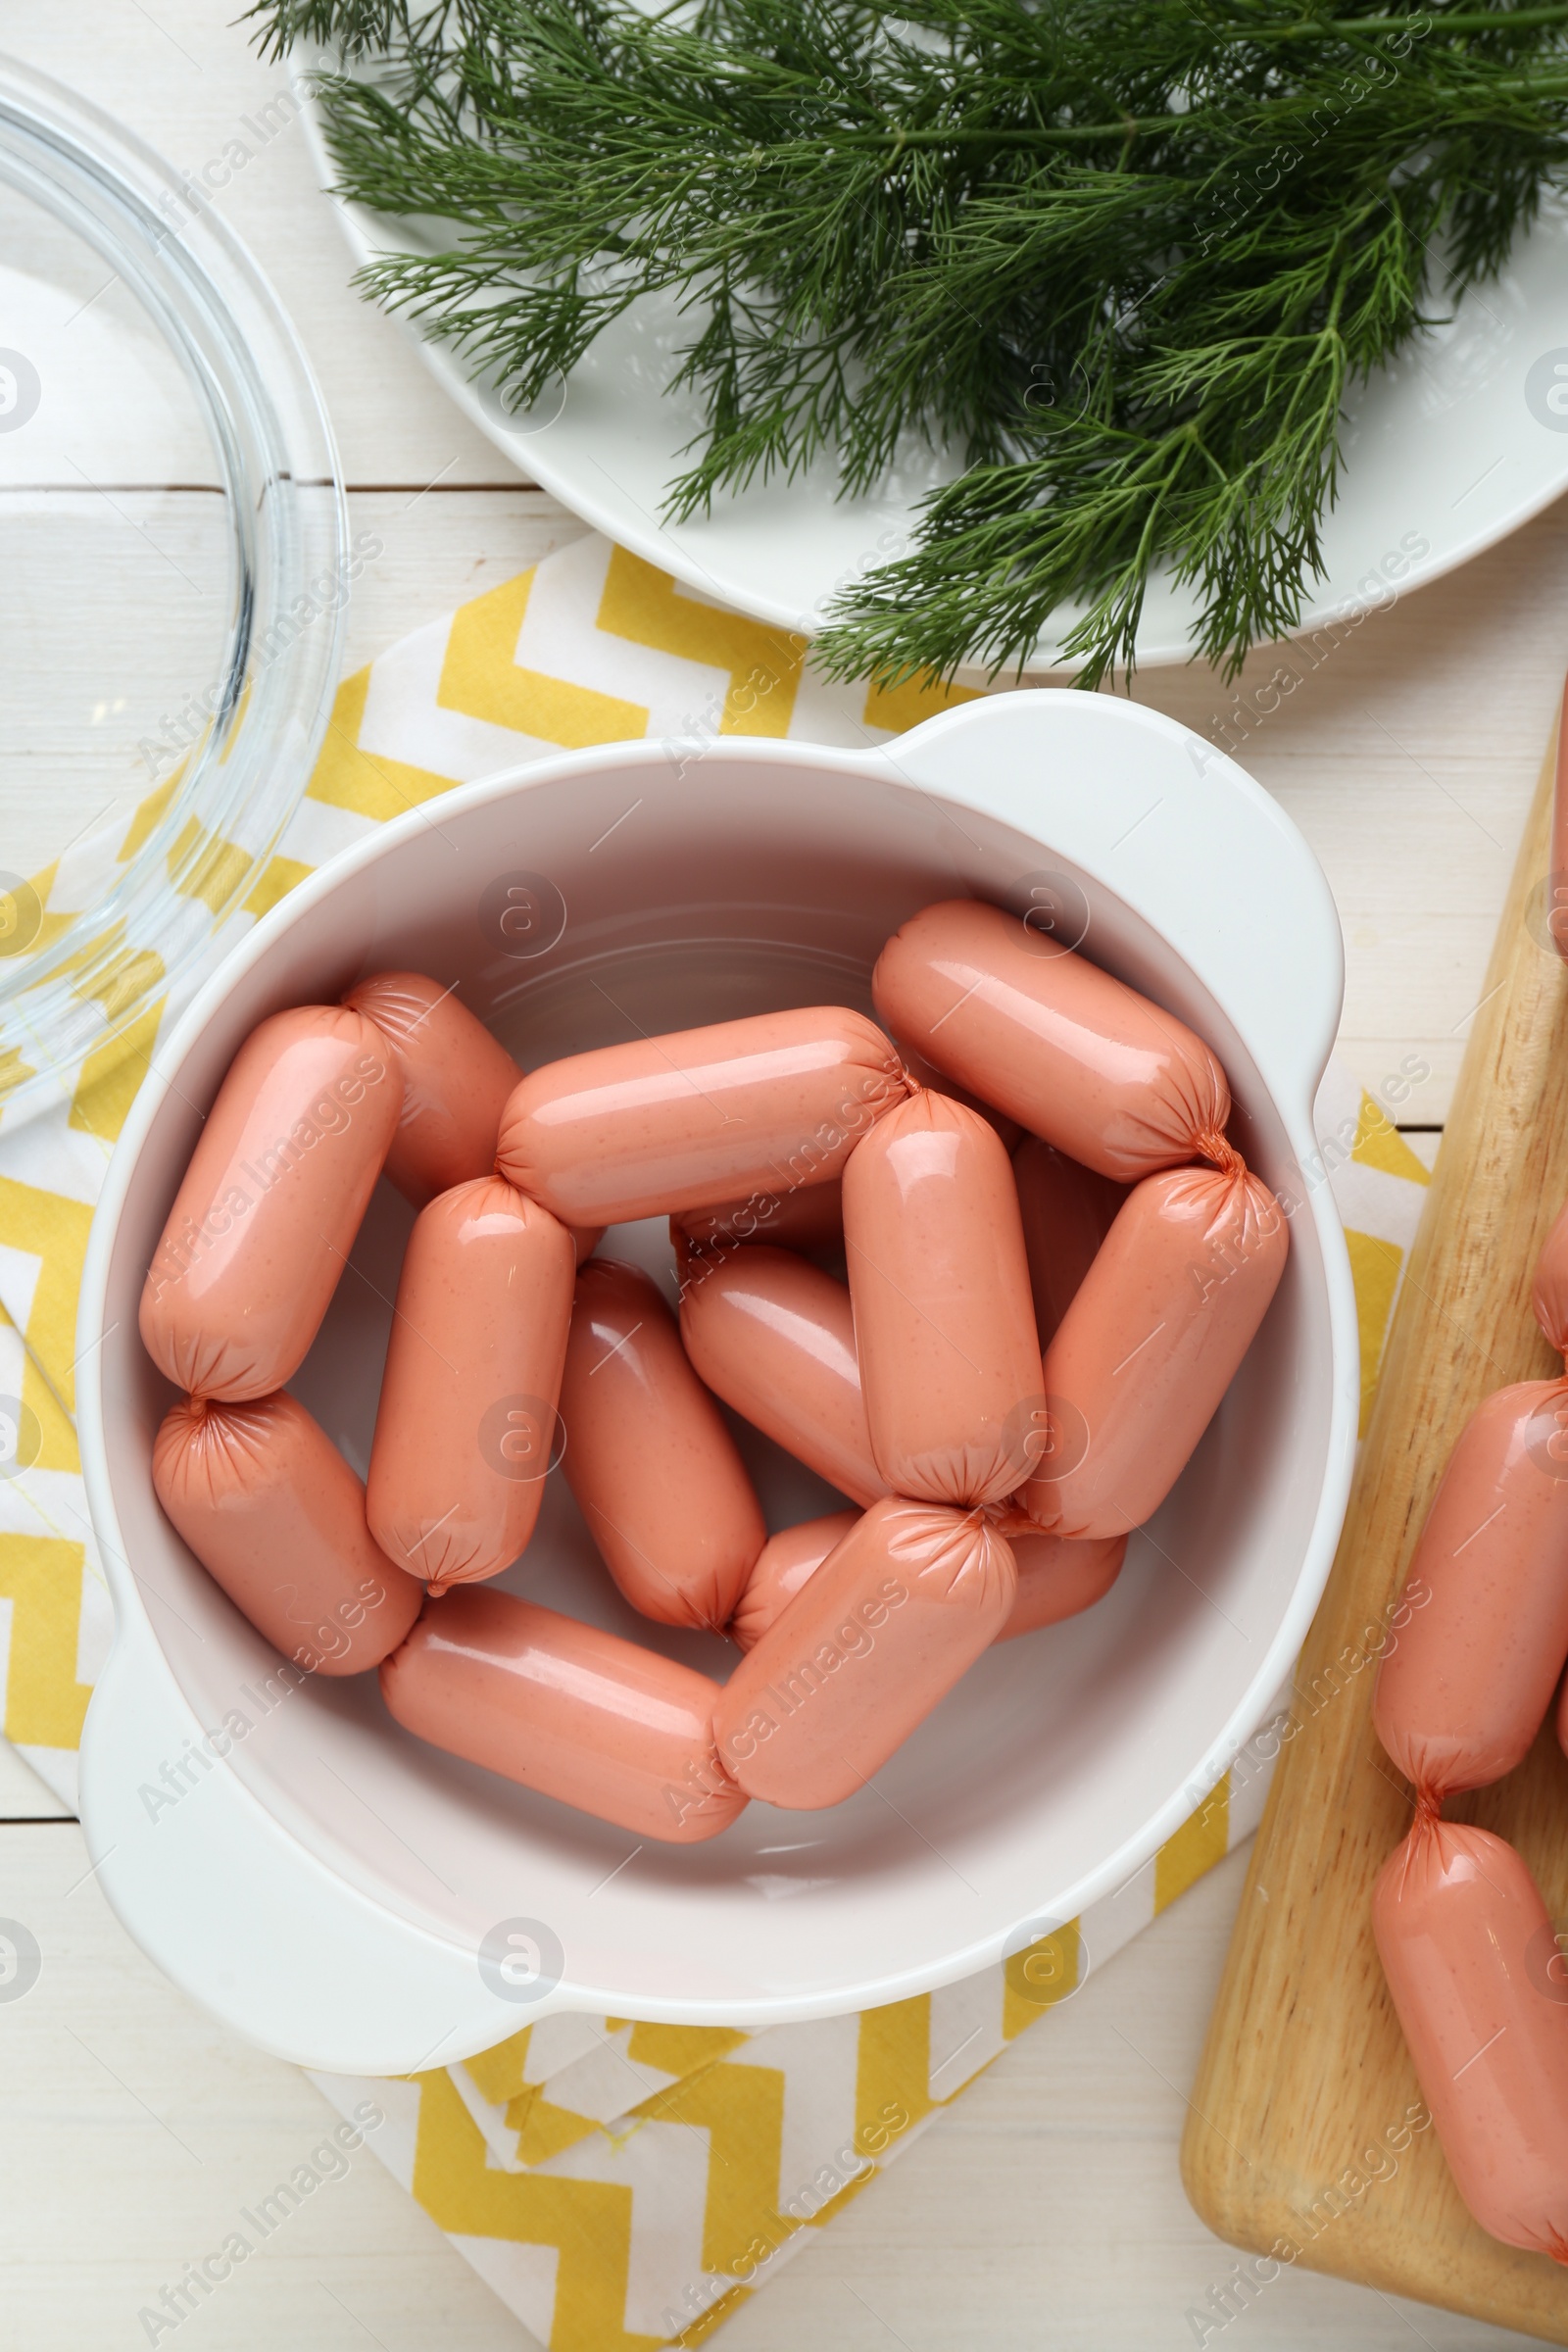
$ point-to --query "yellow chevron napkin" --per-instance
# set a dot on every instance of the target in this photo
(620, 2185)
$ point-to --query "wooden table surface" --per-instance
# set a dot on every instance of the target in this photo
(1046, 2209)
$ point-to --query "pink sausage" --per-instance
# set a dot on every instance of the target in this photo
(700, 1118)
(1478, 1983)
(456, 1081)
(926, 1074)
(1058, 1579)
(1550, 1298)
(1152, 1343)
(943, 1319)
(863, 1653)
(812, 1217)
(263, 1224)
(1068, 1210)
(275, 1514)
(774, 1337)
(653, 1469)
(1465, 1688)
(783, 1565)
(1073, 1054)
(566, 1709)
(467, 1419)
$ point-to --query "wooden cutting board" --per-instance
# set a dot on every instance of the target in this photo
(1306, 2073)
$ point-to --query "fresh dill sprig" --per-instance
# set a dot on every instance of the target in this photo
(1123, 258)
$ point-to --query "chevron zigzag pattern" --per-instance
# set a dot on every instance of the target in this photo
(621, 2185)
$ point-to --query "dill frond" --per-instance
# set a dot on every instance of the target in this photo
(1124, 258)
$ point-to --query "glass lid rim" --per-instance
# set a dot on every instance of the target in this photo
(272, 445)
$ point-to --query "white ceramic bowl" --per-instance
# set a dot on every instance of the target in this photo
(328, 1886)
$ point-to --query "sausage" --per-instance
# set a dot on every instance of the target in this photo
(863, 1653)
(943, 1320)
(700, 1117)
(1068, 1210)
(1059, 1578)
(1550, 1294)
(567, 1709)
(783, 1565)
(1152, 1343)
(267, 1214)
(1073, 1054)
(1479, 1989)
(1056, 1579)
(456, 1081)
(926, 1074)
(774, 1337)
(1465, 1690)
(649, 1458)
(276, 1516)
(466, 1423)
(1551, 1267)
(812, 1217)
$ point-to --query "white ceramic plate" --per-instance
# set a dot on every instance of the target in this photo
(1451, 450)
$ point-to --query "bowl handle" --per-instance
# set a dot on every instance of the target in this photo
(1175, 829)
(222, 1898)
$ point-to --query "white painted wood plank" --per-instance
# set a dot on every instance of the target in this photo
(113, 613)
(1407, 756)
(1043, 2209)
(1046, 2207)
(23, 1795)
(183, 75)
(438, 549)
(133, 2129)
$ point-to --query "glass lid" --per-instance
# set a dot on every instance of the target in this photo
(172, 586)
